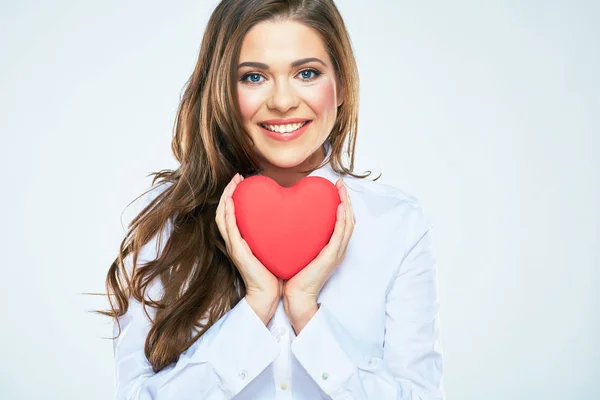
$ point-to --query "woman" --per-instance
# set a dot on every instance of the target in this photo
(197, 315)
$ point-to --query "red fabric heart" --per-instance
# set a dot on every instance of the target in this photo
(286, 228)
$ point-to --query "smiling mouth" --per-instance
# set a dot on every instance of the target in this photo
(285, 129)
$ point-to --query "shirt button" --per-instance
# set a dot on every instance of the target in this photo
(242, 374)
(283, 386)
(325, 376)
(282, 331)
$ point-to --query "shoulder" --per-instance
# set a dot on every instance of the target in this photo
(381, 197)
(381, 191)
(138, 205)
(153, 192)
(151, 249)
(388, 209)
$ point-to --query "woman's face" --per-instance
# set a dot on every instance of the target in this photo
(279, 82)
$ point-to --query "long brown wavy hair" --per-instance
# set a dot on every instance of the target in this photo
(200, 282)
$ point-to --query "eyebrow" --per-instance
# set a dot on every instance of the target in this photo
(294, 64)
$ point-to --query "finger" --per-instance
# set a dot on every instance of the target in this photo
(221, 215)
(348, 231)
(232, 229)
(348, 220)
(228, 192)
(338, 230)
(224, 222)
(221, 205)
(232, 185)
(338, 184)
(343, 192)
(230, 188)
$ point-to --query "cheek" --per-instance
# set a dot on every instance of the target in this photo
(249, 104)
(322, 99)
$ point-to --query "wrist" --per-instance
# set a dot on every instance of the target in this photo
(264, 307)
(300, 311)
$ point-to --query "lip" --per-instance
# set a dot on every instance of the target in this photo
(284, 137)
(284, 121)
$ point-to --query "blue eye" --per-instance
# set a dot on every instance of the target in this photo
(310, 70)
(254, 78)
(252, 75)
(305, 76)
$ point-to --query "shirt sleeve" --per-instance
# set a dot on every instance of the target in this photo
(411, 365)
(224, 360)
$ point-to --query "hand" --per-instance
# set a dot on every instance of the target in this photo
(263, 289)
(300, 293)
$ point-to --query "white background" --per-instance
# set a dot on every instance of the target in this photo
(485, 111)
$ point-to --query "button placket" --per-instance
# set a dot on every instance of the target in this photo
(278, 333)
(281, 368)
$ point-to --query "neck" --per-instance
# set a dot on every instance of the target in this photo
(288, 177)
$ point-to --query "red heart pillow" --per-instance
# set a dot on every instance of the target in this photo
(286, 228)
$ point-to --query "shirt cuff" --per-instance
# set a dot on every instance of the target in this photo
(318, 349)
(242, 349)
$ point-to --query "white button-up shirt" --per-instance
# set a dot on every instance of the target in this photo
(375, 334)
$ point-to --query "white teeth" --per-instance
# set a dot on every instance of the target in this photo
(285, 128)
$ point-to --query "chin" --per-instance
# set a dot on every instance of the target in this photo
(288, 155)
(284, 159)
(285, 154)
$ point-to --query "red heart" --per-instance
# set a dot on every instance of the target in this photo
(286, 228)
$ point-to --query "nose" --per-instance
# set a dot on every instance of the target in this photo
(283, 97)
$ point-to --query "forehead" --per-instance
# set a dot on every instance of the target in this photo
(282, 41)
